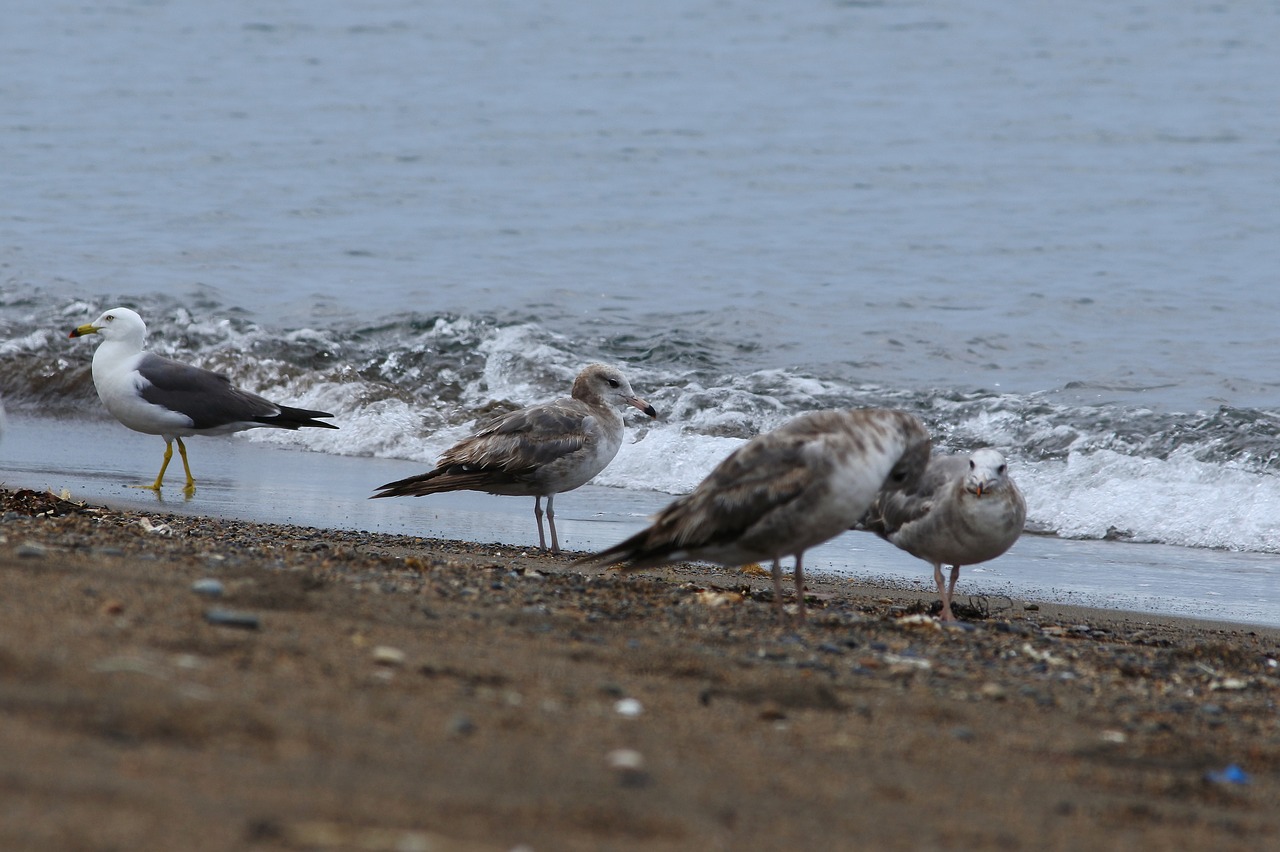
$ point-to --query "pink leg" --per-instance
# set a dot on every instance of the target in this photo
(777, 587)
(799, 587)
(537, 515)
(942, 592)
(551, 522)
(951, 589)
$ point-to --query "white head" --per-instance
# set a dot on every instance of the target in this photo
(119, 324)
(987, 472)
(607, 383)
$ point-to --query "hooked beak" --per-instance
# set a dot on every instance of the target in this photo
(82, 330)
(642, 405)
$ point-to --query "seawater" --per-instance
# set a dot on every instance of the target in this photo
(1048, 230)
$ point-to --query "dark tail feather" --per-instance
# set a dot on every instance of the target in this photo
(633, 551)
(296, 418)
(435, 482)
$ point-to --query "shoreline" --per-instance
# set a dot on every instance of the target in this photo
(264, 482)
(351, 689)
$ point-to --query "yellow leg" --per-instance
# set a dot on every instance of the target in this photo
(182, 450)
(168, 454)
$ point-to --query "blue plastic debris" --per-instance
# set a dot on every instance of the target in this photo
(1233, 774)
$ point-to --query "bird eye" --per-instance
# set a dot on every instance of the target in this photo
(614, 383)
(1000, 469)
(109, 317)
(972, 466)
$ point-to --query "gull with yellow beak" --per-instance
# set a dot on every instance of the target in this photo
(159, 396)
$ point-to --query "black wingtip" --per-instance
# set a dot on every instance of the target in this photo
(296, 418)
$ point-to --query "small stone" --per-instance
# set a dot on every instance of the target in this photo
(385, 655)
(230, 618)
(629, 708)
(625, 759)
(155, 529)
(1230, 684)
(31, 550)
(994, 691)
(919, 620)
(629, 764)
(208, 587)
(461, 726)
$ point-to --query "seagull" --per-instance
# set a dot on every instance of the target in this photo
(537, 451)
(784, 492)
(964, 510)
(159, 396)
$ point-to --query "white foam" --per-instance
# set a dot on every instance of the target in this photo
(665, 458)
(1178, 500)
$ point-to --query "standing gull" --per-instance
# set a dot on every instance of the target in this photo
(964, 510)
(158, 396)
(784, 492)
(538, 451)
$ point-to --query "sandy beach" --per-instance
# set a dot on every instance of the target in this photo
(181, 682)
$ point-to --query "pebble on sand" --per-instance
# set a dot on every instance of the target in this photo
(208, 587)
(231, 618)
(385, 655)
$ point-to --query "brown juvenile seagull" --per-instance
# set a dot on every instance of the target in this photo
(159, 396)
(537, 451)
(964, 510)
(783, 492)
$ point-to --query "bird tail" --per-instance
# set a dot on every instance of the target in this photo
(295, 418)
(637, 551)
(435, 482)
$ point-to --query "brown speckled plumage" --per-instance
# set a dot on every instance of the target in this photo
(783, 492)
(538, 451)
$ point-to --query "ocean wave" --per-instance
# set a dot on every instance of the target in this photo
(409, 386)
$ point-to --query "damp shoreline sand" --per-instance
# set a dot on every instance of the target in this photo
(359, 690)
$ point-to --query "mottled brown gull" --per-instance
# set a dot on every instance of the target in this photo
(159, 396)
(963, 511)
(538, 451)
(783, 492)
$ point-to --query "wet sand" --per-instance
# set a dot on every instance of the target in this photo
(183, 682)
(250, 480)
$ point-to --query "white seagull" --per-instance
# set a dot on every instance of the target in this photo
(538, 451)
(784, 492)
(964, 510)
(159, 396)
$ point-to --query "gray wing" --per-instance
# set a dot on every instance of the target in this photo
(759, 477)
(893, 510)
(211, 401)
(508, 450)
(524, 440)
